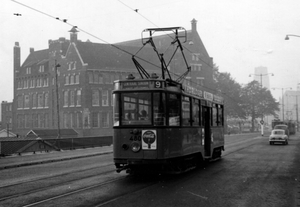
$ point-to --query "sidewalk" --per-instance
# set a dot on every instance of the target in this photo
(53, 156)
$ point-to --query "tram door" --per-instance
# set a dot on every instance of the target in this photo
(206, 113)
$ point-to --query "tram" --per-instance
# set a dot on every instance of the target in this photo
(162, 125)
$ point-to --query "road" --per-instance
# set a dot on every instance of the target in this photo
(251, 173)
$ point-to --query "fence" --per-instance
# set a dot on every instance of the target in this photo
(17, 146)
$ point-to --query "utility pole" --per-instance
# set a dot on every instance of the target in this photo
(57, 99)
(297, 114)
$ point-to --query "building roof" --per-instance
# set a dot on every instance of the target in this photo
(51, 133)
(3, 133)
(105, 56)
(36, 57)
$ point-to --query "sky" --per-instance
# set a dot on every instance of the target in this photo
(239, 35)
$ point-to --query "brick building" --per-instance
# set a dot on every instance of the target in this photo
(73, 80)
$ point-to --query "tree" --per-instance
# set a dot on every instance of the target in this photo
(258, 102)
(231, 92)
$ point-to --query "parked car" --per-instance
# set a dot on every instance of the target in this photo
(278, 136)
(284, 127)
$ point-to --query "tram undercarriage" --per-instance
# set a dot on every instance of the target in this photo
(177, 165)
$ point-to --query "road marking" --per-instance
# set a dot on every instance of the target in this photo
(203, 197)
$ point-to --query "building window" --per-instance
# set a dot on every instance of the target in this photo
(96, 78)
(46, 82)
(100, 78)
(40, 100)
(46, 100)
(27, 121)
(105, 119)
(20, 102)
(26, 101)
(28, 70)
(34, 121)
(34, 100)
(196, 56)
(77, 79)
(42, 68)
(95, 98)
(79, 119)
(66, 120)
(66, 98)
(95, 120)
(74, 65)
(72, 79)
(46, 120)
(196, 67)
(72, 98)
(105, 98)
(67, 80)
(78, 98)
(91, 77)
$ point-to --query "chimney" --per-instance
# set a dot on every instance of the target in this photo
(17, 63)
(17, 56)
(31, 50)
(194, 25)
(73, 34)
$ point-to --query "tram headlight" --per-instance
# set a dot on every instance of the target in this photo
(135, 146)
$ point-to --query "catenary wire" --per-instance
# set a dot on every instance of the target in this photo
(113, 45)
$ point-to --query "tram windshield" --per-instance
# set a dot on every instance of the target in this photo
(136, 109)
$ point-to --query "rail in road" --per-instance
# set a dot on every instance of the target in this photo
(56, 156)
(101, 186)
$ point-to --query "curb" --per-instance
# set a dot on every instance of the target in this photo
(52, 160)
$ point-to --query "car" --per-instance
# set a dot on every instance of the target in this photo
(284, 127)
(278, 136)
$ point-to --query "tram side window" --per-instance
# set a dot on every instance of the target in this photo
(186, 111)
(159, 108)
(217, 115)
(220, 114)
(214, 115)
(116, 109)
(173, 106)
(196, 112)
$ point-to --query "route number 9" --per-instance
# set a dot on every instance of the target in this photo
(157, 84)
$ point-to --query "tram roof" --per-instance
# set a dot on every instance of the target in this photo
(168, 85)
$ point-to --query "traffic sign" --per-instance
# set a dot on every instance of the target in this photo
(262, 122)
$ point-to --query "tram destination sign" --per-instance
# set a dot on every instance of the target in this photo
(141, 84)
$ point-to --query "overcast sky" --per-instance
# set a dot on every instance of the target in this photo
(239, 34)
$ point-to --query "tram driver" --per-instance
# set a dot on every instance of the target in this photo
(143, 115)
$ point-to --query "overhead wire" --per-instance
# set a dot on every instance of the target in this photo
(113, 45)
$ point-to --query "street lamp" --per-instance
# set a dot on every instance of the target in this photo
(261, 75)
(290, 35)
(282, 105)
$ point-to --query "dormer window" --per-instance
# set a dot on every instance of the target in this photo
(42, 68)
(196, 56)
(28, 70)
(196, 67)
(74, 65)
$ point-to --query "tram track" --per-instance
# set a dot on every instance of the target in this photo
(108, 180)
(35, 186)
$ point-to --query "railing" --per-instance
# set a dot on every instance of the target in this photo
(12, 146)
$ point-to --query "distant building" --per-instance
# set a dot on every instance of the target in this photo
(6, 115)
(262, 76)
(291, 105)
(70, 83)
